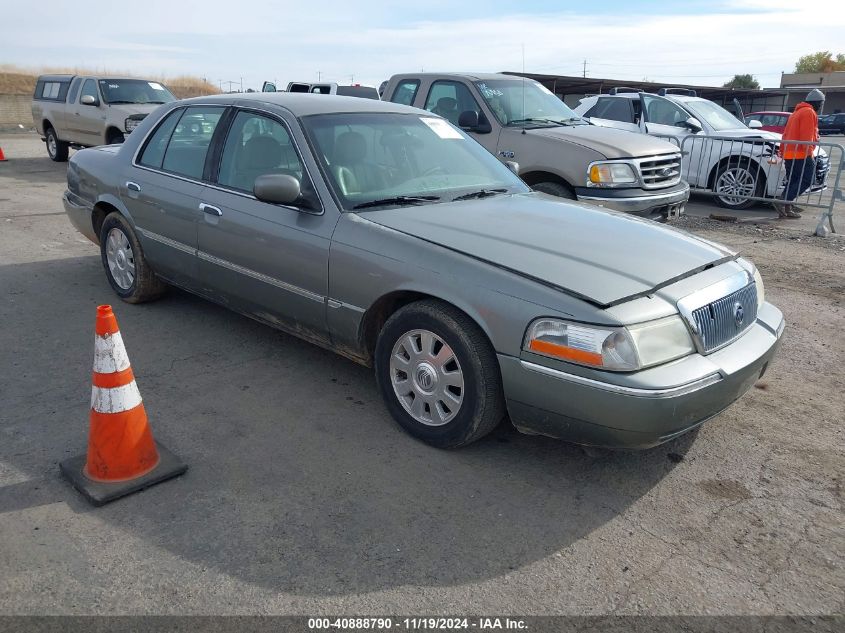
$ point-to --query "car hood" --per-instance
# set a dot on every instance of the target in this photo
(749, 134)
(601, 256)
(133, 108)
(611, 142)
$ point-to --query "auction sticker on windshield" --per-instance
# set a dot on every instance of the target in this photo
(441, 128)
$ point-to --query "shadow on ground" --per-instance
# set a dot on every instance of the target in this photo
(299, 481)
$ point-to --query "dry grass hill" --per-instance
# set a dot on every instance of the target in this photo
(21, 81)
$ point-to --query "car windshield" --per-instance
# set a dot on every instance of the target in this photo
(714, 115)
(381, 159)
(518, 102)
(134, 91)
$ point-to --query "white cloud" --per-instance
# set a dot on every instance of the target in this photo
(259, 39)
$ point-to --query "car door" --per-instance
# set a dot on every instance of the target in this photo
(89, 119)
(661, 117)
(266, 260)
(163, 187)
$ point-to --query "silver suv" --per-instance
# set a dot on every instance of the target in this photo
(78, 111)
(736, 168)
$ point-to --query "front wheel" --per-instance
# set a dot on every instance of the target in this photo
(126, 268)
(734, 182)
(555, 189)
(439, 375)
(115, 137)
(57, 150)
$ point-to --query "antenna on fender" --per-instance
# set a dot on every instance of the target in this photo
(523, 86)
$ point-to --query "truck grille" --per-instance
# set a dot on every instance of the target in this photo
(719, 323)
(660, 171)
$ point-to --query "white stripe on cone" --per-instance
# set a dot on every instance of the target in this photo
(109, 354)
(115, 399)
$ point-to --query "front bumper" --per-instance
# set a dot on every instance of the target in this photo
(546, 401)
(79, 213)
(662, 204)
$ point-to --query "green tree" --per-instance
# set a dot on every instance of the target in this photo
(821, 62)
(743, 81)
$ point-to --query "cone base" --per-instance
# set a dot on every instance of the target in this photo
(100, 493)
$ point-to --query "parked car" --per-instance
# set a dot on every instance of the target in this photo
(769, 121)
(84, 111)
(390, 236)
(553, 149)
(743, 165)
(832, 124)
(354, 90)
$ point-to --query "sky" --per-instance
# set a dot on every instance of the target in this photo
(364, 41)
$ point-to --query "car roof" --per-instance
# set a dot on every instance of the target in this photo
(304, 104)
(455, 75)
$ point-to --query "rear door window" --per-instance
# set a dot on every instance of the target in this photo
(406, 92)
(612, 109)
(153, 153)
(189, 142)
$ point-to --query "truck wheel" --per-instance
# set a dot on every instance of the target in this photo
(115, 137)
(555, 189)
(126, 268)
(734, 181)
(56, 149)
(439, 375)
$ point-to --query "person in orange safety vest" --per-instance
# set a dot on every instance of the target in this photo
(803, 125)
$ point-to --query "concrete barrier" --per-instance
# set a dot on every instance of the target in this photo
(15, 109)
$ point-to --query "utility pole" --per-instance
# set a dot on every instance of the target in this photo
(242, 84)
(319, 76)
(585, 68)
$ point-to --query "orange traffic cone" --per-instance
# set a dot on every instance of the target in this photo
(122, 455)
(2, 155)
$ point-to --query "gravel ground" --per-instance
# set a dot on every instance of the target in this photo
(304, 498)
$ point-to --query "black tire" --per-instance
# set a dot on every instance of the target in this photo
(145, 285)
(483, 404)
(753, 170)
(115, 137)
(555, 189)
(57, 150)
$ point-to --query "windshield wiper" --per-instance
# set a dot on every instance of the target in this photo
(481, 193)
(396, 200)
(534, 120)
(120, 102)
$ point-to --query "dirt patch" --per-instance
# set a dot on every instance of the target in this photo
(725, 489)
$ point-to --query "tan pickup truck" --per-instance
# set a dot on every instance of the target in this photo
(552, 149)
(79, 111)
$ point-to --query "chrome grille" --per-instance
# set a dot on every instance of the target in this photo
(717, 323)
(660, 171)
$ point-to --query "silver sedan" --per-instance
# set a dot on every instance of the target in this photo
(388, 235)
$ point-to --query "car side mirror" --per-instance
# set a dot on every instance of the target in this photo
(276, 188)
(513, 166)
(89, 100)
(468, 120)
(471, 121)
(754, 124)
(694, 124)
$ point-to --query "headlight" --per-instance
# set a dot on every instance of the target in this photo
(610, 175)
(131, 124)
(611, 348)
(761, 292)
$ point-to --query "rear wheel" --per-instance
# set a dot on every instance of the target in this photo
(555, 189)
(126, 268)
(735, 181)
(57, 150)
(439, 375)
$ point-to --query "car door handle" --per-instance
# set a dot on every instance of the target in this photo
(211, 210)
(133, 186)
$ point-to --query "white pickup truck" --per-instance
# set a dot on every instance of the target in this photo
(79, 111)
